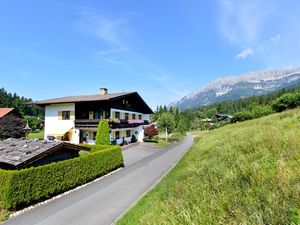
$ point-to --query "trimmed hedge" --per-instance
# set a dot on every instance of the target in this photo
(24, 187)
(96, 148)
(102, 137)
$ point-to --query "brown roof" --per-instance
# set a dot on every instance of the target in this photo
(83, 98)
(5, 111)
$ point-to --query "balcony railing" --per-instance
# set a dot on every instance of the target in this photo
(113, 123)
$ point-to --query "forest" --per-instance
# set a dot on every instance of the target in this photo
(30, 112)
(240, 110)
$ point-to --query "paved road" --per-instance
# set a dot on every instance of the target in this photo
(102, 202)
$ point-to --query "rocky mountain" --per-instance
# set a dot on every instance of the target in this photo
(235, 87)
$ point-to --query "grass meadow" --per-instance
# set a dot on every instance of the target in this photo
(244, 173)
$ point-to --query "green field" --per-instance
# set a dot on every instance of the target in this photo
(245, 173)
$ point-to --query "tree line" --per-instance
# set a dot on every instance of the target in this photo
(30, 112)
(241, 110)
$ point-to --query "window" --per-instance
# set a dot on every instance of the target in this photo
(117, 134)
(140, 117)
(126, 116)
(128, 133)
(97, 115)
(94, 136)
(117, 115)
(133, 116)
(91, 115)
(66, 115)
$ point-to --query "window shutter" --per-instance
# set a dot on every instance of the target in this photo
(59, 115)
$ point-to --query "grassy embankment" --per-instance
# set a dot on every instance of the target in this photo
(245, 173)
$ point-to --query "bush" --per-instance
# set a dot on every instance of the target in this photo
(97, 148)
(24, 187)
(178, 136)
(102, 137)
(11, 127)
(286, 101)
(150, 131)
(241, 116)
(133, 139)
(33, 121)
(260, 111)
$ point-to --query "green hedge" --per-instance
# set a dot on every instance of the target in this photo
(96, 148)
(24, 187)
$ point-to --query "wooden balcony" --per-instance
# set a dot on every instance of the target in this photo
(85, 123)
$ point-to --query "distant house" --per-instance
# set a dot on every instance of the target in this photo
(11, 123)
(9, 113)
(21, 153)
(75, 118)
(209, 122)
(221, 117)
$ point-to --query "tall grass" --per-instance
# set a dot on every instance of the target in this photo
(245, 173)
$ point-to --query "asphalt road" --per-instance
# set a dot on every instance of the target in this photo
(104, 201)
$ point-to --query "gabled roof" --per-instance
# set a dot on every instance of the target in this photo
(94, 98)
(21, 153)
(5, 111)
(83, 98)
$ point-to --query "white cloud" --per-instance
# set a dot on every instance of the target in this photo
(243, 21)
(275, 38)
(249, 22)
(107, 28)
(244, 54)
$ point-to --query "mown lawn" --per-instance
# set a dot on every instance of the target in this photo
(39, 135)
(245, 173)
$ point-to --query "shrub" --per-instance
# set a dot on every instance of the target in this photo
(178, 136)
(286, 101)
(133, 139)
(102, 137)
(260, 111)
(27, 186)
(96, 148)
(241, 116)
(33, 121)
(150, 131)
(11, 127)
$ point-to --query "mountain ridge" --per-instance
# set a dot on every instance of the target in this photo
(234, 87)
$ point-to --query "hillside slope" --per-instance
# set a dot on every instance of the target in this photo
(235, 87)
(245, 173)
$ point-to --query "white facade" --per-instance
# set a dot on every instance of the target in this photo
(64, 128)
(57, 126)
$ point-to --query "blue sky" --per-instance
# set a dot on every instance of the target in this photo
(162, 49)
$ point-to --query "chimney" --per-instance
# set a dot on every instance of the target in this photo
(103, 91)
